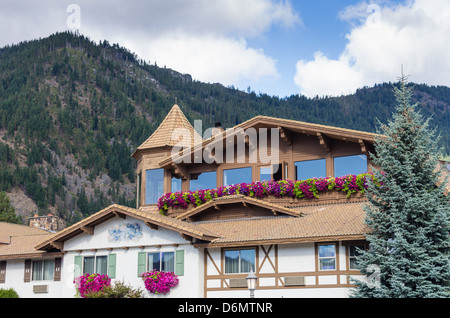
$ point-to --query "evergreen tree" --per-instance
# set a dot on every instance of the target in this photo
(7, 212)
(407, 212)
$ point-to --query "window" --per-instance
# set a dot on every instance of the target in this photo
(176, 184)
(353, 252)
(204, 180)
(239, 261)
(350, 165)
(43, 270)
(235, 176)
(95, 265)
(138, 191)
(327, 257)
(161, 261)
(310, 169)
(154, 185)
(273, 172)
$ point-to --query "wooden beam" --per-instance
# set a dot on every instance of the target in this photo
(181, 171)
(88, 230)
(186, 237)
(285, 135)
(151, 225)
(363, 147)
(120, 215)
(57, 245)
(324, 142)
(217, 207)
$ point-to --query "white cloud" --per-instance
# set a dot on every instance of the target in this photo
(414, 35)
(208, 58)
(205, 38)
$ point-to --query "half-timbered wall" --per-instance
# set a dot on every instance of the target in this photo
(290, 270)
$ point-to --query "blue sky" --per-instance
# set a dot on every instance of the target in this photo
(278, 47)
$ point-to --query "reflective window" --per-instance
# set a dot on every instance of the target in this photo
(273, 172)
(154, 185)
(234, 176)
(354, 252)
(95, 265)
(164, 261)
(350, 165)
(310, 169)
(43, 270)
(239, 261)
(327, 257)
(204, 180)
(176, 184)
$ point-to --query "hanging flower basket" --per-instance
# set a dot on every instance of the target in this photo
(157, 282)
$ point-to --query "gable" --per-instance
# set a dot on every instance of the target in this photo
(235, 207)
(87, 227)
(319, 135)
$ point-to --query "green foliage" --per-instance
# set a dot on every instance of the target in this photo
(408, 213)
(7, 211)
(66, 95)
(117, 290)
(8, 293)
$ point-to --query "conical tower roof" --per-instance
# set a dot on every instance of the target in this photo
(162, 136)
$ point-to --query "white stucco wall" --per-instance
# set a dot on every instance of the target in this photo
(15, 279)
(127, 249)
(292, 258)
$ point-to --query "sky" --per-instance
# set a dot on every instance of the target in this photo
(275, 47)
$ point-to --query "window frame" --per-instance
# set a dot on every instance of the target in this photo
(349, 257)
(147, 194)
(348, 156)
(239, 260)
(42, 270)
(319, 258)
(279, 175)
(83, 272)
(240, 168)
(324, 160)
(161, 253)
(199, 173)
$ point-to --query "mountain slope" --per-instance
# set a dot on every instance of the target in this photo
(72, 111)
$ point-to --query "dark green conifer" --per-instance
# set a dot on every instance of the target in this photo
(407, 213)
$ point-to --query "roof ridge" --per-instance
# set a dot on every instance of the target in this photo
(161, 137)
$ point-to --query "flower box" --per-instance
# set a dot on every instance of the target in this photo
(285, 192)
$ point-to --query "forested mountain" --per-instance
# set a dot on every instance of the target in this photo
(72, 111)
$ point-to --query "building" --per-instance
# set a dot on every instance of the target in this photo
(297, 247)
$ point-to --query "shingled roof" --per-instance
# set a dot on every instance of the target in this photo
(162, 136)
(18, 241)
(316, 223)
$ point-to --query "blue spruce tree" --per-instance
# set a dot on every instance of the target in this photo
(407, 211)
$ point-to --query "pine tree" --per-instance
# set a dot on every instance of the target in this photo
(7, 212)
(407, 211)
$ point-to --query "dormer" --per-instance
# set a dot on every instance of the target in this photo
(152, 180)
